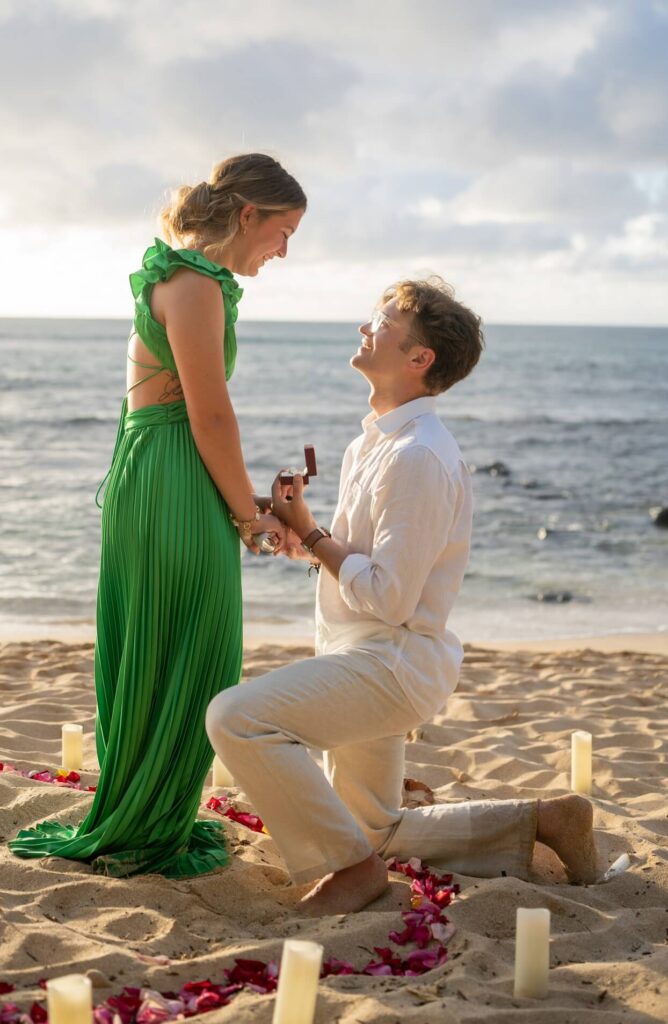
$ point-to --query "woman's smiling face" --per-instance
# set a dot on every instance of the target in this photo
(262, 238)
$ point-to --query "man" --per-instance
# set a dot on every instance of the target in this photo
(390, 572)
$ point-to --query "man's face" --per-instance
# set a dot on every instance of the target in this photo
(380, 356)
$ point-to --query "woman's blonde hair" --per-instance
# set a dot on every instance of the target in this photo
(209, 212)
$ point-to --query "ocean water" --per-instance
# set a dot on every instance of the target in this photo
(566, 428)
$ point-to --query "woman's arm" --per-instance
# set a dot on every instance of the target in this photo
(194, 317)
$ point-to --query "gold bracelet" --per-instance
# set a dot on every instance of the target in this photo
(245, 526)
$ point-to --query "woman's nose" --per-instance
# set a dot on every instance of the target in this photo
(283, 251)
(365, 329)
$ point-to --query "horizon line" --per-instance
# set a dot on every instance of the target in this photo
(348, 323)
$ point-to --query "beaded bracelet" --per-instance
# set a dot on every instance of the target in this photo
(245, 526)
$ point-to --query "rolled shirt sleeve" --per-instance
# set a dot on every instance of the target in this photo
(412, 510)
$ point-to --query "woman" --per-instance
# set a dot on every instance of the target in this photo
(169, 629)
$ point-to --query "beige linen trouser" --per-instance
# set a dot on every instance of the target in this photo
(351, 706)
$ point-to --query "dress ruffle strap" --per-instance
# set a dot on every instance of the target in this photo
(161, 261)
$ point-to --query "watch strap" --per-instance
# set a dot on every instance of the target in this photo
(314, 536)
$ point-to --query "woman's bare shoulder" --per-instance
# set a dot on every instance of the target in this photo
(186, 289)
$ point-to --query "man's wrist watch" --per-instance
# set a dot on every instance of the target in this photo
(313, 537)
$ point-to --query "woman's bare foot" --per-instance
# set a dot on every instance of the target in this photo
(565, 825)
(348, 890)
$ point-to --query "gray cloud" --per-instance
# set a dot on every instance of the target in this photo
(53, 65)
(123, 191)
(258, 89)
(613, 104)
(534, 191)
(434, 130)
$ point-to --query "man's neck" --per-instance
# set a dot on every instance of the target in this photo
(382, 401)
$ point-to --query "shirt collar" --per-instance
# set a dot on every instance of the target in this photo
(397, 418)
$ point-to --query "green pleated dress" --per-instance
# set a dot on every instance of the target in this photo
(169, 627)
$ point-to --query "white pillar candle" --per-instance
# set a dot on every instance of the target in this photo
(70, 1000)
(221, 777)
(621, 865)
(298, 982)
(581, 762)
(532, 952)
(72, 747)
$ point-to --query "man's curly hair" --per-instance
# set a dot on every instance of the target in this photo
(446, 326)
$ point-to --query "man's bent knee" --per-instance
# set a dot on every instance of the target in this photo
(225, 721)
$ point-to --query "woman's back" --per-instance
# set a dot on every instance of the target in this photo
(152, 375)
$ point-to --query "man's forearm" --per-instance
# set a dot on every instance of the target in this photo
(331, 554)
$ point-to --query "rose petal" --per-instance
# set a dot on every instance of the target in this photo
(443, 932)
(103, 1015)
(334, 966)
(422, 960)
(10, 1014)
(378, 969)
(255, 973)
(228, 810)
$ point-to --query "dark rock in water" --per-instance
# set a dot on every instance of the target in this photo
(494, 469)
(617, 547)
(661, 518)
(554, 597)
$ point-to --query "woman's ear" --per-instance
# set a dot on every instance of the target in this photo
(245, 216)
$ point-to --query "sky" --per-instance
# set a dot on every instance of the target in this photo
(519, 149)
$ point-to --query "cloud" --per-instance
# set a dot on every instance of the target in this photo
(236, 96)
(54, 66)
(540, 191)
(433, 133)
(611, 107)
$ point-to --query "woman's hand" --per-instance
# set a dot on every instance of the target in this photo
(271, 525)
(289, 505)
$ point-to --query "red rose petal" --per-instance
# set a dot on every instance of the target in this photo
(334, 966)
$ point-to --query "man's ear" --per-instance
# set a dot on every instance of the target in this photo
(422, 358)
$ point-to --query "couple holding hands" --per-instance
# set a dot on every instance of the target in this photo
(169, 629)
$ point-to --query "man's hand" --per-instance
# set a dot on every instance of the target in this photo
(262, 502)
(295, 513)
(295, 550)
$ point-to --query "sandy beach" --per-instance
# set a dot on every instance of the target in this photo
(506, 732)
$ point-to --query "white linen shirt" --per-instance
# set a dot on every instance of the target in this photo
(404, 511)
